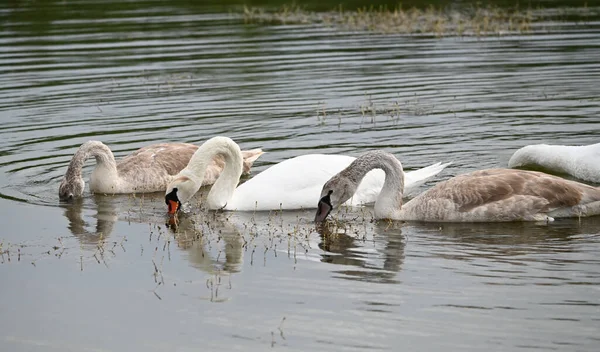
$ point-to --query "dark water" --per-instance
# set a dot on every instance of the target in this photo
(105, 274)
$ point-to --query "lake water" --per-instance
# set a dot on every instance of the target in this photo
(104, 273)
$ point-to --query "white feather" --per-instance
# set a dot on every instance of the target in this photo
(582, 162)
(296, 183)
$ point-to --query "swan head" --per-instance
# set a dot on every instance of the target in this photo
(335, 192)
(324, 207)
(528, 155)
(71, 188)
(181, 190)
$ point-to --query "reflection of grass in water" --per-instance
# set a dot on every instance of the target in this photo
(226, 239)
(150, 83)
(443, 21)
(33, 253)
(6, 250)
(255, 234)
(373, 112)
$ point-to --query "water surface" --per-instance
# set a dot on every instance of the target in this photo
(104, 273)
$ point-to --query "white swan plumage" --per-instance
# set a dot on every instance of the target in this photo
(149, 169)
(582, 162)
(291, 184)
(481, 196)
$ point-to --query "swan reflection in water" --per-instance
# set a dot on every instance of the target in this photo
(105, 214)
(210, 242)
(364, 249)
(93, 219)
(378, 247)
(374, 248)
(507, 240)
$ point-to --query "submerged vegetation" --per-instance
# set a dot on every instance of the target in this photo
(440, 21)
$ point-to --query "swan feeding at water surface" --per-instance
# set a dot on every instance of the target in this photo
(582, 161)
(291, 184)
(149, 169)
(482, 196)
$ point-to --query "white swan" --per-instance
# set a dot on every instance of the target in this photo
(582, 162)
(485, 195)
(292, 184)
(149, 169)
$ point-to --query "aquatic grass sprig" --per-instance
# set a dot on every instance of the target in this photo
(475, 20)
(286, 14)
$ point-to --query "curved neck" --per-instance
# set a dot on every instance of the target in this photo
(223, 188)
(553, 157)
(389, 199)
(103, 154)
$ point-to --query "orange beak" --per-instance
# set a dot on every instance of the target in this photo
(173, 206)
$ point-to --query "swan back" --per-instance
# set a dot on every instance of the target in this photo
(148, 169)
(582, 162)
(291, 184)
(297, 183)
(166, 158)
(500, 195)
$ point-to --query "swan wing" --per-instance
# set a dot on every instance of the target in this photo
(488, 186)
(157, 162)
(160, 159)
(372, 183)
(500, 195)
(582, 162)
(414, 179)
(291, 184)
(587, 166)
(296, 183)
(250, 157)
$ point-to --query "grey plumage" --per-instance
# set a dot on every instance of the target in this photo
(485, 195)
(149, 169)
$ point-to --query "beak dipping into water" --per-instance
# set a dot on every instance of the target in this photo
(323, 208)
(173, 222)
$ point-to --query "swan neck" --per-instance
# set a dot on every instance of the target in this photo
(553, 157)
(389, 199)
(76, 164)
(222, 190)
(103, 154)
(104, 157)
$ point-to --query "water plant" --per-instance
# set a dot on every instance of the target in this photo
(449, 20)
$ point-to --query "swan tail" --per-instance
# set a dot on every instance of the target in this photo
(414, 179)
(250, 157)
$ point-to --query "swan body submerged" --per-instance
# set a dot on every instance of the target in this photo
(582, 162)
(291, 184)
(482, 196)
(149, 169)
